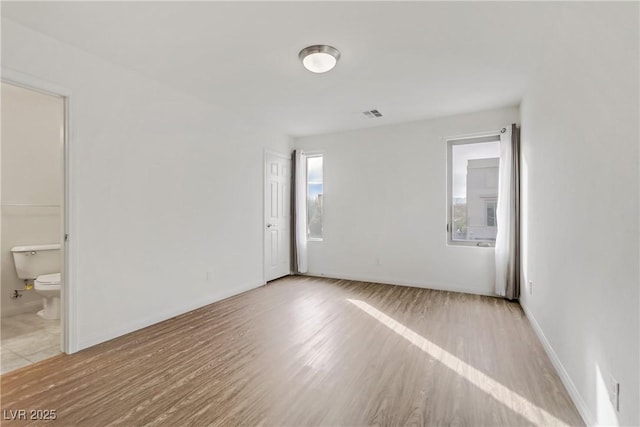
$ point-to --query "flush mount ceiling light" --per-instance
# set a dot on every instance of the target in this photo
(319, 58)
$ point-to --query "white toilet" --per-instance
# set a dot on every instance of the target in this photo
(41, 264)
(48, 287)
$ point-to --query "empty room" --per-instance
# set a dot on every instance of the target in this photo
(320, 213)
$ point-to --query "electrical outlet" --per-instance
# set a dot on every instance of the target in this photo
(614, 392)
(530, 287)
(209, 276)
(378, 262)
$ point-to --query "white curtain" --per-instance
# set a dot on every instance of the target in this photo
(507, 215)
(300, 212)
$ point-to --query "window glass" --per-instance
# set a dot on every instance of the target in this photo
(315, 190)
(474, 189)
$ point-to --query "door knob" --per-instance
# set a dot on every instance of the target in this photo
(270, 225)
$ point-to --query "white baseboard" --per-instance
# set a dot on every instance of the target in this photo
(168, 314)
(577, 399)
(27, 307)
(401, 282)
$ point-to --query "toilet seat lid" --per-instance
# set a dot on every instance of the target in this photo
(49, 279)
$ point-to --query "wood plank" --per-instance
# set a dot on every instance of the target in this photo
(310, 351)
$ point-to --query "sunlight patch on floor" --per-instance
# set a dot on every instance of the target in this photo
(502, 394)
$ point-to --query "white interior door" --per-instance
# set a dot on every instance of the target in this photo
(277, 212)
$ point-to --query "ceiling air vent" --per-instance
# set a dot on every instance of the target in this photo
(372, 114)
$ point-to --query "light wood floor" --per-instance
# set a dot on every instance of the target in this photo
(308, 351)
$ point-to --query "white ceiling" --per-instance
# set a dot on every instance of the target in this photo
(410, 60)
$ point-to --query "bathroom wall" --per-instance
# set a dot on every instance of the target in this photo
(31, 194)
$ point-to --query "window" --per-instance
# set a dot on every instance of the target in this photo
(473, 190)
(315, 190)
(491, 213)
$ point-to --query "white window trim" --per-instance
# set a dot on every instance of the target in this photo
(471, 138)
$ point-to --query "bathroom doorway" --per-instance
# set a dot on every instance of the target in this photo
(32, 227)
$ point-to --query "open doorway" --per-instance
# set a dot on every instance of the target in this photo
(32, 228)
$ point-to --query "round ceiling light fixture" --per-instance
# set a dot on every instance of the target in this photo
(319, 58)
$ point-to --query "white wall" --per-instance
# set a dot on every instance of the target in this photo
(167, 189)
(385, 199)
(580, 204)
(31, 183)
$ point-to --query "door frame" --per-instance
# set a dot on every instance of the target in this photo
(68, 236)
(267, 152)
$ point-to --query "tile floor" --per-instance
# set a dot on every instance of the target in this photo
(27, 338)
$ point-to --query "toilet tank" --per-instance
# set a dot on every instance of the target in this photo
(33, 260)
